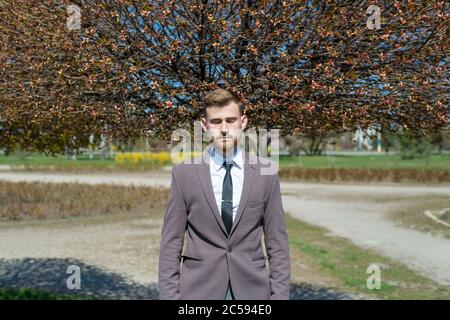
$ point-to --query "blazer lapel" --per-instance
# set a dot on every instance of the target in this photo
(249, 174)
(205, 179)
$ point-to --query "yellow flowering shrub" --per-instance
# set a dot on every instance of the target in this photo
(156, 158)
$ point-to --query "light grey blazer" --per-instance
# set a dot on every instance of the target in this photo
(212, 258)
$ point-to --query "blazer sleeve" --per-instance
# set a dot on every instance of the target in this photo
(172, 238)
(277, 244)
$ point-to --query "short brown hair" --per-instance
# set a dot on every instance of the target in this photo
(220, 98)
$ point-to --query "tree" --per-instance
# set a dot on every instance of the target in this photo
(312, 142)
(140, 65)
(57, 87)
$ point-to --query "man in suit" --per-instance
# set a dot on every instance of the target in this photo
(223, 205)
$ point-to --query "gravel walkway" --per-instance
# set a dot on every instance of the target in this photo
(339, 207)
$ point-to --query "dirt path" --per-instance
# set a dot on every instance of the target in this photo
(163, 179)
(339, 207)
(127, 247)
(117, 259)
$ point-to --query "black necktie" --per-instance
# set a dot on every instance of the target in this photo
(227, 198)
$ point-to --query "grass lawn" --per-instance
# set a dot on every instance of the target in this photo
(381, 161)
(33, 294)
(38, 159)
(62, 163)
(411, 214)
(344, 265)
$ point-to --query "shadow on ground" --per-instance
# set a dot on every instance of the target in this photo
(51, 275)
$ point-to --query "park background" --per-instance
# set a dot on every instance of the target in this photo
(92, 91)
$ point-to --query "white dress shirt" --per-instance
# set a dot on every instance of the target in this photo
(218, 171)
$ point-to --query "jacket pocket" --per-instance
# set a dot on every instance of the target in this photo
(185, 257)
(259, 258)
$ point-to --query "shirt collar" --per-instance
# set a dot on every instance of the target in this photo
(218, 159)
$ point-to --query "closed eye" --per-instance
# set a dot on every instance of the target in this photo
(218, 121)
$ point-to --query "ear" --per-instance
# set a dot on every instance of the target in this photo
(203, 123)
(244, 121)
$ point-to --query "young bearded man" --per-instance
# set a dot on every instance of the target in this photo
(224, 205)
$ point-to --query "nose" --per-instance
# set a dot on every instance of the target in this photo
(223, 128)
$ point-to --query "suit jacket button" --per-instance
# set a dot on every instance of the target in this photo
(228, 249)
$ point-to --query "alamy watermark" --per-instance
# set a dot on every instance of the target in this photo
(374, 20)
(73, 17)
(74, 280)
(374, 280)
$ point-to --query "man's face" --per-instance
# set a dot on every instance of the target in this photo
(224, 125)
